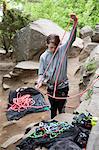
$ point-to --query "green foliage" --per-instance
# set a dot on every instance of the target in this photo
(59, 10)
(89, 94)
(12, 21)
(91, 66)
(55, 10)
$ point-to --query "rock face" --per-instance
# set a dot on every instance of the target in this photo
(86, 31)
(95, 37)
(29, 42)
(28, 65)
(12, 140)
(89, 67)
(23, 72)
(93, 107)
(89, 99)
(87, 50)
(93, 141)
(89, 56)
(5, 56)
(91, 40)
(95, 55)
(76, 48)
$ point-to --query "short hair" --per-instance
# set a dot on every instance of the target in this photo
(53, 38)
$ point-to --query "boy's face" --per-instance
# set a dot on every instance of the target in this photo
(52, 47)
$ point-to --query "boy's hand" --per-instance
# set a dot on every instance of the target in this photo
(73, 16)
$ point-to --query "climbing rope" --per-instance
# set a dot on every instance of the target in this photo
(75, 24)
(79, 94)
(62, 60)
(22, 103)
(55, 52)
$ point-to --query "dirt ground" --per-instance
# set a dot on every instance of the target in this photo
(8, 129)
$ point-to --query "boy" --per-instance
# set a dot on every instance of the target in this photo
(62, 85)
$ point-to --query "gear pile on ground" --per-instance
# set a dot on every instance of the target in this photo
(54, 135)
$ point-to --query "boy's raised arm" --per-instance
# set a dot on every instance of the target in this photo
(72, 35)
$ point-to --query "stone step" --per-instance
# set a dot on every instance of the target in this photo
(31, 65)
(6, 66)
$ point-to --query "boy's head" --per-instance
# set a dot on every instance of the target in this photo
(53, 41)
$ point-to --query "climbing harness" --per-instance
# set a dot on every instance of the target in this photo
(79, 94)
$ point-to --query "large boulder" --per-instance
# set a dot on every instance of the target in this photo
(93, 107)
(29, 42)
(95, 55)
(87, 50)
(93, 141)
(86, 31)
(23, 74)
(76, 48)
(5, 56)
(95, 37)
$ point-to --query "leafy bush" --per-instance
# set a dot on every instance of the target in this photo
(59, 10)
(55, 10)
(12, 21)
(91, 66)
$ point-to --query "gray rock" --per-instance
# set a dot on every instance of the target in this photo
(93, 107)
(27, 65)
(9, 123)
(5, 86)
(76, 48)
(64, 117)
(95, 37)
(30, 41)
(82, 107)
(5, 56)
(95, 55)
(97, 28)
(5, 80)
(91, 63)
(86, 31)
(27, 43)
(93, 141)
(87, 40)
(14, 74)
(31, 125)
(97, 73)
(2, 51)
(5, 66)
(12, 140)
(22, 73)
(86, 51)
(96, 87)
(90, 46)
(7, 76)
